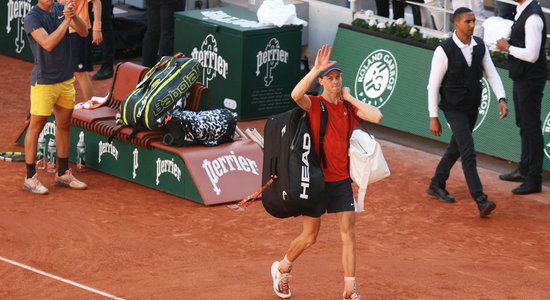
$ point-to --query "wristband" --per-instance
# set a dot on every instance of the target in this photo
(503, 99)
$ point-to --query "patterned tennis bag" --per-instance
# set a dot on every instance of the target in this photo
(163, 86)
(207, 128)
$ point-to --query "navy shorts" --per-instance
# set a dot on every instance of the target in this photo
(336, 197)
(80, 47)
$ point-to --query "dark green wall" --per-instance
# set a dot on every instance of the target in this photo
(396, 76)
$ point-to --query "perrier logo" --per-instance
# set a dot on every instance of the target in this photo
(16, 11)
(212, 62)
(376, 78)
(271, 57)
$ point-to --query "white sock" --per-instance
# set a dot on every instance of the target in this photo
(285, 264)
(351, 280)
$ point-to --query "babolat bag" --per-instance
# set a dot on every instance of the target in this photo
(207, 128)
(159, 91)
(291, 168)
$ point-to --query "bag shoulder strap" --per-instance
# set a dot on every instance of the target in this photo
(323, 129)
(114, 133)
(350, 113)
(350, 130)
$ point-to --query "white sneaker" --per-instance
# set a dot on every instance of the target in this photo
(34, 186)
(281, 281)
(69, 180)
(353, 296)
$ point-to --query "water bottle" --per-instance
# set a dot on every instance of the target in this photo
(41, 157)
(52, 156)
(81, 154)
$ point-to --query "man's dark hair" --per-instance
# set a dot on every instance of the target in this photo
(459, 12)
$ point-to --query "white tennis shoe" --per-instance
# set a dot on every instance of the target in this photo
(281, 281)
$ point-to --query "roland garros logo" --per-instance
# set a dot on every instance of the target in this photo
(376, 78)
(546, 133)
(485, 103)
(213, 63)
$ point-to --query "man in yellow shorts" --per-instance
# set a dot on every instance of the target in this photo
(52, 86)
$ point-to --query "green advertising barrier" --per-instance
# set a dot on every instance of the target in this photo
(393, 76)
(135, 164)
(208, 175)
(13, 39)
(129, 162)
(249, 67)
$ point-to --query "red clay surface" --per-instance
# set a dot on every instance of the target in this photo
(137, 243)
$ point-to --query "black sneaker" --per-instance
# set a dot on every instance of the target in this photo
(527, 188)
(515, 175)
(485, 206)
(105, 72)
(440, 193)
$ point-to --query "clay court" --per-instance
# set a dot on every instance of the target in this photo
(122, 240)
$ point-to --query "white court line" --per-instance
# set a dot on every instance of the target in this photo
(60, 279)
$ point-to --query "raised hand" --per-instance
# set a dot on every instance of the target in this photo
(322, 60)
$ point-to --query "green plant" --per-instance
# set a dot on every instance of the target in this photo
(401, 30)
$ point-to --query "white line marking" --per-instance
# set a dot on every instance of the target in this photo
(60, 278)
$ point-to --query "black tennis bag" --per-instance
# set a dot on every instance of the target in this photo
(291, 162)
(207, 128)
(162, 87)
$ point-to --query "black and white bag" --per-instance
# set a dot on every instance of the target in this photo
(207, 128)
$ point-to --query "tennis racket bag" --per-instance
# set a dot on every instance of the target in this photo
(292, 165)
(159, 91)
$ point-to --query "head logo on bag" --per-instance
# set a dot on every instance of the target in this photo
(306, 146)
